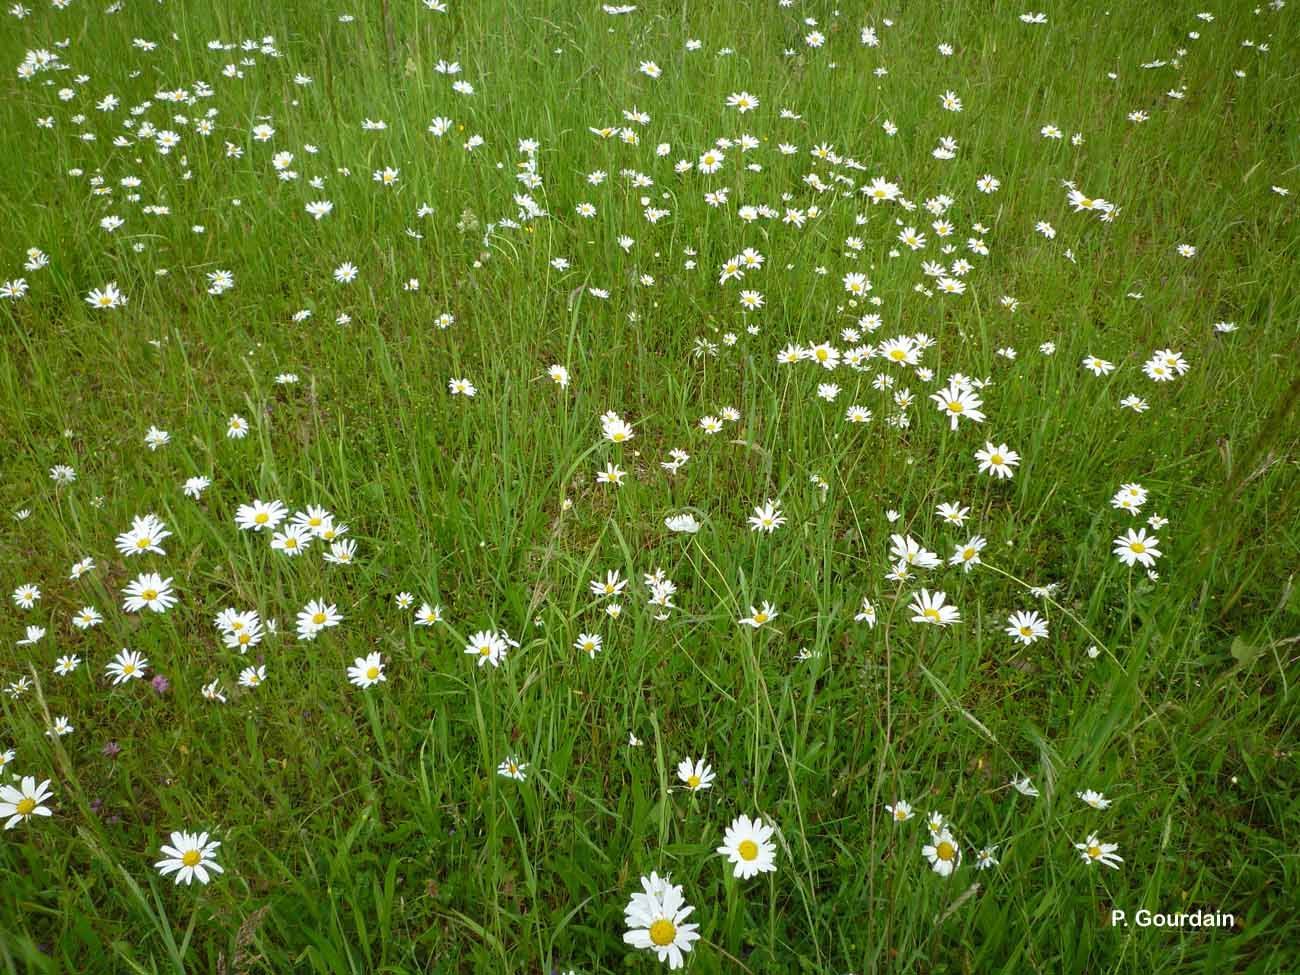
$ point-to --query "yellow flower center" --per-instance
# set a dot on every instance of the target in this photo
(372, 673)
(262, 518)
(945, 851)
(142, 543)
(244, 638)
(291, 543)
(191, 858)
(318, 618)
(760, 617)
(996, 460)
(1025, 631)
(485, 650)
(25, 806)
(128, 668)
(693, 781)
(955, 407)
(149, 594)
(931, 614)
(1094, 851)
(748, 850)
(897, 355)
(1137, 547)
(967, 554)
(900, 815)
(663, 932)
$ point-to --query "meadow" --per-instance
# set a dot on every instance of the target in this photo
(572, 488)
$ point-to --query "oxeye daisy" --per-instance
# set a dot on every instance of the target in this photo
(900, 811)
(933, 608)
(149, 591)
(512, 768)
(1026, 628)
(588, 643)
(1137, 547)
(943, 853)
(126, 666)
(1093, 850)
(695, 775)
(656, 921)
(767, 517)
(427, 615)
(1094, 799)
(999, 462)
(189, 856)
(17, 805)
(367, 671)
(487, 647)
(759, 617)
(747, 844)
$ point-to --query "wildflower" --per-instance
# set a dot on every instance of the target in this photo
(588, 643)
(315, 617)
(930, 608)
(292, 541)
(367, 671)
(260, 515)
(25, 596)
(1024, 787)
(150, 591)
(1026, 628)
(747, 844)
(767, 517)
(998, 461)
(612, 474)
(683, 523)
(959, 402)
(189, 856)
(968, 555)
(488, 647)
(943, 853)
(22, 803)
(697, 776)
(512, 768)
(427, 615)
(612, 585)
(145, 535)
(1137, 547)
(1094, 850)
(900, 811)
(1094, 799)
(758, 617)
(656, 921)
(127, 665)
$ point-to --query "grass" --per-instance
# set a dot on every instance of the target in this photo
(366, 831)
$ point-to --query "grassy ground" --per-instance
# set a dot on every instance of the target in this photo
(368, 830)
